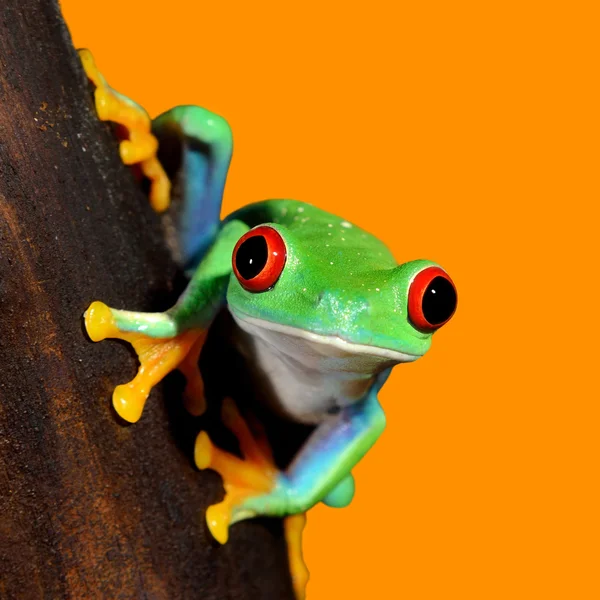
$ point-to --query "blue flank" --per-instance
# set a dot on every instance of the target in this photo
(200, 218)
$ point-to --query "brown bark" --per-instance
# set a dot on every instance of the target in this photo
(91, 507)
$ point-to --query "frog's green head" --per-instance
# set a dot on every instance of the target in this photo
(331, 280)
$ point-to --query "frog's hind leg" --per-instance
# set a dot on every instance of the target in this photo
(294, 528)
(197, 146)
(140, 145)
(160, 349)
(253, 475)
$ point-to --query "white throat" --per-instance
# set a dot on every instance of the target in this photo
(307, 376)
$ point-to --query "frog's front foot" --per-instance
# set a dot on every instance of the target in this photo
(158, 350)
(253, 486)
(139, 145)
(253, 476)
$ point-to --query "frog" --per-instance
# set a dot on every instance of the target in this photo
(321, 312)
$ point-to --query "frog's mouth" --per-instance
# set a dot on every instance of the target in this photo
(322, 345)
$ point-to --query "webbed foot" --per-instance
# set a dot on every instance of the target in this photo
(253, 477)
(140, 145)
(158, 355)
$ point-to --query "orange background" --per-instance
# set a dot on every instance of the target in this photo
(464, 132)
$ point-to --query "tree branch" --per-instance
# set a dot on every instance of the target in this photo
(90, 507)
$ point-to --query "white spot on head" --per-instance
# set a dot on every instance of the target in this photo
(296, 218)
(284, 211)
(301, 209)
(346, 224)
(329, 233)
(330, 263)
(343, 239)
(304, 289)
(377, 289)
(329, 225)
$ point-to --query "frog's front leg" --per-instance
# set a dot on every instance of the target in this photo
(322, 469)
(170, 340)
(320, 472)
(160, 349)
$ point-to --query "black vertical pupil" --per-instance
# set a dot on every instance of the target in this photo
(252, 256)
(439, 301)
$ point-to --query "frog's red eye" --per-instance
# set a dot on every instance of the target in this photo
(431, 299)
(259, 258)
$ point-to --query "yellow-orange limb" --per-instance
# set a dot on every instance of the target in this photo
(253, 475)
(157, 357)
(260, 438)
(141, 145)
(252, 448)
(294, 527)
(194, 399)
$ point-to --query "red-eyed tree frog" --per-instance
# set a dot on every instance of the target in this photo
(322, 313)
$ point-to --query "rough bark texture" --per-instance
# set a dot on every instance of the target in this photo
(91, 507)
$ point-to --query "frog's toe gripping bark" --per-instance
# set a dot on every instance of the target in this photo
(140, 145)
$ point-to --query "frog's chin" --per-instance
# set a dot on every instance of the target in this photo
(308, 376)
